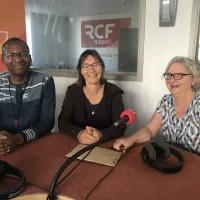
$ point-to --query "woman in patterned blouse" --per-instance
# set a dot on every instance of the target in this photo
(178, 113)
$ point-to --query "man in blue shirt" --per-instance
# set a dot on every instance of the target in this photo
(27, 98)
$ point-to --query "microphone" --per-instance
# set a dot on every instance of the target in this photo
(126, 117)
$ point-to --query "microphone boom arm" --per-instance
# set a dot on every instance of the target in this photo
(51, 195)
(127, 116)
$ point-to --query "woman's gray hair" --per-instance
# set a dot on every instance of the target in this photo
(191, 66)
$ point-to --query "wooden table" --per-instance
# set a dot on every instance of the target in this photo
(131, 178)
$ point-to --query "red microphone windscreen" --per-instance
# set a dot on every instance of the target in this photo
(131, 115)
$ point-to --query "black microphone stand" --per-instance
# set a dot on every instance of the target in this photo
(51, 195)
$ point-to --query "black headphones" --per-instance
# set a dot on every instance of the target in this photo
(157, 150)
(6, 168)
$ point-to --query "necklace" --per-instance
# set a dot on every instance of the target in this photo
(17, 114)
(93, 107)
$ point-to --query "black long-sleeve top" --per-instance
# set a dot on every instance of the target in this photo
(73, 116)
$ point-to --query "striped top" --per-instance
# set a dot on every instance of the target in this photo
(183, 132)
(35, 108)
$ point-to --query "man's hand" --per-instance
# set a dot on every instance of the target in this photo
(8, 141)
(4, 148)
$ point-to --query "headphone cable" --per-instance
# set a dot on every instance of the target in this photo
(11, 177)
(46, 190)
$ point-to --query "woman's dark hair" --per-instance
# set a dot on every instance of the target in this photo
(89, 52)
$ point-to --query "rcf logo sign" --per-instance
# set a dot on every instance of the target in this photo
(102, 33)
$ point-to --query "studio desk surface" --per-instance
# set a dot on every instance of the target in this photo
(131, 178)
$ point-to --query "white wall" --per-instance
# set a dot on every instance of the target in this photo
(161, 44)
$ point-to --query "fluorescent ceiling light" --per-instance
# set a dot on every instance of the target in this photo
(166, 2)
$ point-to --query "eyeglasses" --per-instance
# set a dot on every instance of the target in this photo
(95, 65)
(177, 76)
(22, 55)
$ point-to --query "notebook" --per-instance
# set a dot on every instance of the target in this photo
(98, 155)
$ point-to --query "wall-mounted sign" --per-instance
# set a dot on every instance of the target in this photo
(102, 33)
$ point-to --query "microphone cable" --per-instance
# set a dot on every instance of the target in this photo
(80, 161)
(98, 183)
(126, 152)
(51, 195)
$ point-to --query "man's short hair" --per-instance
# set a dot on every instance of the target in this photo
(13, 40)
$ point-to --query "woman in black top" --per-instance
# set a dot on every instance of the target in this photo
(92, 104)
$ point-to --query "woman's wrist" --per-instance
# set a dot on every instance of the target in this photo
(79, 134)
